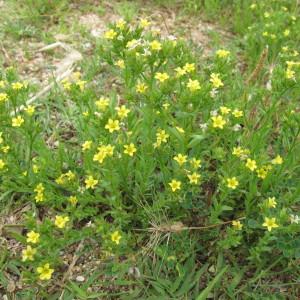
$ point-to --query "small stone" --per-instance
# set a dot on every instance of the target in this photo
(212, 269)
(80, 278)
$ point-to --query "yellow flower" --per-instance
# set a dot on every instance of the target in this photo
(290, 74)
(60, 180)
(103, 151)
(39, 197)
(86, 145)
(189, 67)
(28, 253)
(120, 63)
(131, 44)
(237, 225)
(181, 159)
(290, 64)
(33, 237)
(270, 223)
(144, 23)
(175, 185)
(110, 34)
(193, 85)
(61, 221)
(221, 53)
(237, 113)
(141, 88)
(161, 77)
(215, 80)
(218, 121)
(3, 97)
(166, 105)
(120, 24)
(90, 182)
(73, 200)
(66, 84)
(196, 163)
(194, 178)
(81, 84)
(100, 156)
(2, 84)
(17, 85)
(17, 122)
(102, 103)
(109, 150)
(70, 175)
(76, 76)
(277, 160)
(5, 149)
(45, 272)
(251, 164)
(262, 173)
(35, 169)
(155, 45)
(271, 202)
(286, 32)
(39, 188)
(181, 130)
(232, 183)
(122, 111)
(2, 164)
(129, 149)
(239, 152)
(161, 137)
(112, 125)
(225, 110)
(30, 109)
(180, 72)
(115, 237)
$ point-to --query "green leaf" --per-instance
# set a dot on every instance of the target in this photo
(204, 294)
(78, 291)
(196, 140)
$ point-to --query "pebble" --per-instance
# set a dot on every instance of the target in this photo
(80, 278)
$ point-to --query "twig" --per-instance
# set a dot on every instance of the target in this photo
(12, 225)
(70, 269)
(65, 69)
(165, 23)
(178, 227)
(5, 53)
(73, 263)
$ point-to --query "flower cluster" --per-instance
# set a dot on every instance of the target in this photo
(171, 139)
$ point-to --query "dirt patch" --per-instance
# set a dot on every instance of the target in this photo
(96, 24)
(170, 22)
(167, 21)
(38, 67)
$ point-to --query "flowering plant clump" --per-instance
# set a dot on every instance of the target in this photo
(179, 148)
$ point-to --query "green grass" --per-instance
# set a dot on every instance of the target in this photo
(131, 233)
